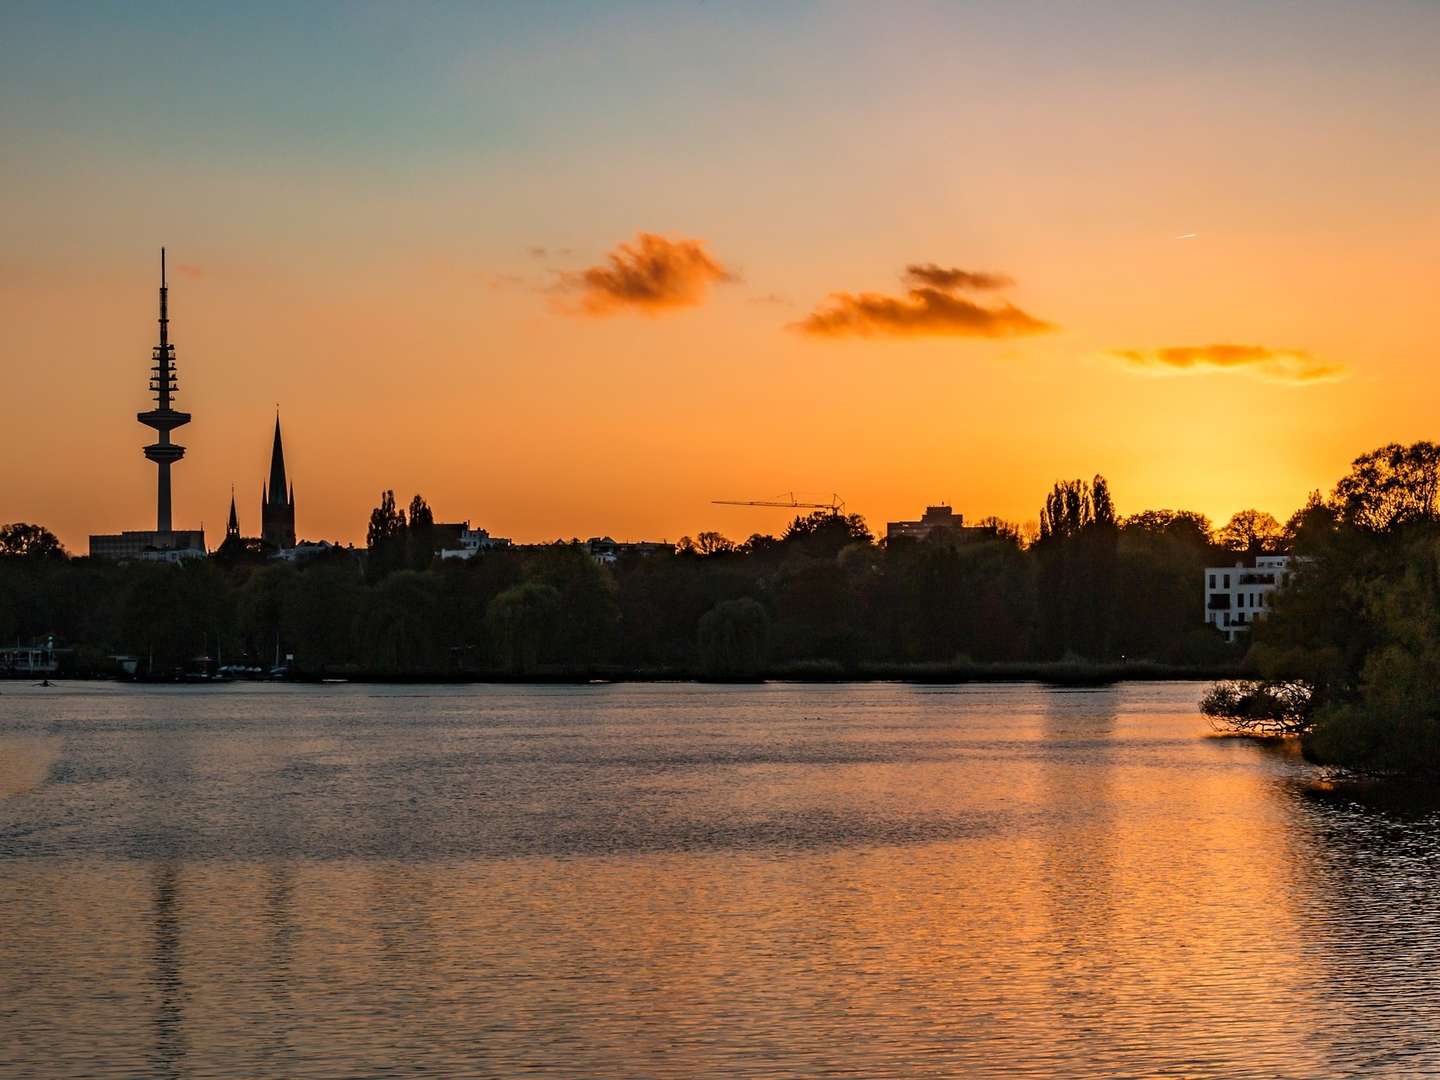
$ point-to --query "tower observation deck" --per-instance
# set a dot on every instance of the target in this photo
(163, 418)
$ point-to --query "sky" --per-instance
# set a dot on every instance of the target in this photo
(575, 269)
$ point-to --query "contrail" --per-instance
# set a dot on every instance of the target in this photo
(1187, 236)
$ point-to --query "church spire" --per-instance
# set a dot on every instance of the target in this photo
(277, 500)
(278, 486)
(232, 527)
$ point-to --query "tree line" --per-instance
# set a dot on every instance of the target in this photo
(824, 596)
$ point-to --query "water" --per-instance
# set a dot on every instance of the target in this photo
(683, 881)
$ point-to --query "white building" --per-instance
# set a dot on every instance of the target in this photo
(1235, 596)
(470, 542)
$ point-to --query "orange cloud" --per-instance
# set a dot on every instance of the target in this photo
(651, 275)
(1277, 365)
(933, 308)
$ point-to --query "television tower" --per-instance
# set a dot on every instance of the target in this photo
(163, 418)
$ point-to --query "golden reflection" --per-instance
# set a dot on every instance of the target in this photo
(25, 761)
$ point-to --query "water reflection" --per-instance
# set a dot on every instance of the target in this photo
(281, 932)
(1078, 869)
(672, 881)
(168, 987)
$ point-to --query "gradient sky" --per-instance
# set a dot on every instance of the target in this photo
(354, 197)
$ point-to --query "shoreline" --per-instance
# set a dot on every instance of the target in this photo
(1053, 673)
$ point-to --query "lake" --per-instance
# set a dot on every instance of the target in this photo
(670, 880)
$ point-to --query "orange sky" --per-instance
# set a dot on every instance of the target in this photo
(352, 209)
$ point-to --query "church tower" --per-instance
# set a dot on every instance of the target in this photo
(277, 501)
(232, 527)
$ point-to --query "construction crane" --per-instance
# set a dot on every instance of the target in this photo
(788, 502)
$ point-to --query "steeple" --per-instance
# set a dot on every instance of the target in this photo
(232, 527)
(277, 510)
(278, 486)
(163, 418)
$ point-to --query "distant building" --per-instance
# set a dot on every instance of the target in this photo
(305, 549)
(174, 545)
(1236, 596)
(277, 501)
(608, 552)
(937, 519)
(460, 541)
(30, 659)
(164, 543)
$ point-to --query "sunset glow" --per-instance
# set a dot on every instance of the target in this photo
(1197, 254)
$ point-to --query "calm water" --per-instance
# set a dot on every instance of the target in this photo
(681, 881)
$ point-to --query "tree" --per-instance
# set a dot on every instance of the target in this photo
(587, 596)
(1389, 487)
(521, 622)
(1311, 524)
(712, 543)
(1251, 532)
(1069, 509)
(25, 541)
(1161, 555)
(1188, 526)
(823, 533)
(733, 637)
(398, 624)
(1005, 530)
(385, 538)
(1077, 554)
(420, 535)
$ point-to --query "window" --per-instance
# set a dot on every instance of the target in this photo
(1226, 617)
(1212, 581)
(1227, 581)
(1240, 600)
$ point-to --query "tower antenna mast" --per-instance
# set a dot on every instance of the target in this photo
(163, 418)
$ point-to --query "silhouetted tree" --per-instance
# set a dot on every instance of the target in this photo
(1389, 487)
(1251, 532)
(821, 534)
(1077, 555)
(522, 622)
(385, 538)
(25, 541)
(1161, 555)
(712, 543)
(420, 535)
(733, 637)
(398, 625)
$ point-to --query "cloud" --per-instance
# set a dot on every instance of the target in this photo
(650, 275)
(1277, 365)
(189, 270)
(953, 278)
(932, 308)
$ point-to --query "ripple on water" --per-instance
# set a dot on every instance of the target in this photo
(678, 881)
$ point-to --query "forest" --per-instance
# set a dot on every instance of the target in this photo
(823, 599)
